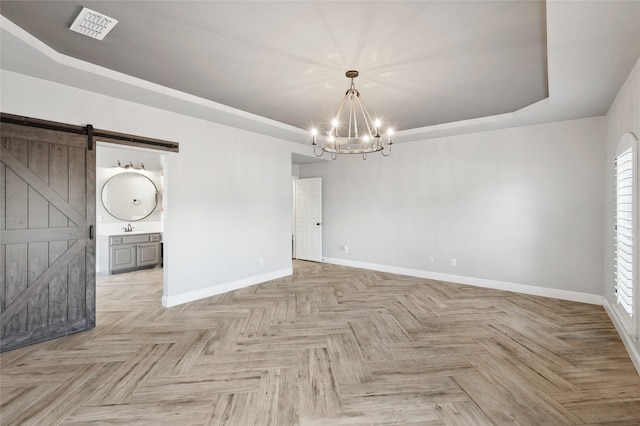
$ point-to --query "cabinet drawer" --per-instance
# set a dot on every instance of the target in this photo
(154, 237)
(133, 239)
(115, 240)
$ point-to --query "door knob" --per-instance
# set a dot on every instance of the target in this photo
(318, 223)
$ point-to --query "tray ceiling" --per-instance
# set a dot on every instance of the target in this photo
(428, 68)
(420, 63)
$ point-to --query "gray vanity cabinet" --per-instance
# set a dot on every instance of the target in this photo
(130, 252)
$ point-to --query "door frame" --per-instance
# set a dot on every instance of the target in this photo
(293, 217)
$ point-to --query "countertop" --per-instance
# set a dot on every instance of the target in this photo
(110, 234)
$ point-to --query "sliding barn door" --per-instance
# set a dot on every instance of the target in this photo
(47, 250)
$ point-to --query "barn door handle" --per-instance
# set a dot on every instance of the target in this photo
(91, 233)
(318, 223)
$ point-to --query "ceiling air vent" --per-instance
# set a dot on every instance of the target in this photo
(93, 24)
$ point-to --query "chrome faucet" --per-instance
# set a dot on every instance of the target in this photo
(128, 228)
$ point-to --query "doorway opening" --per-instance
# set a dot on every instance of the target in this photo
(130, 205)
(306, 229)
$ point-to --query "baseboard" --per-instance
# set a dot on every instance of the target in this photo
(178, 299)
(573, 296)
(627, 340)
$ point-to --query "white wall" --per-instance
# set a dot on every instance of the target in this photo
(622, 117)
(228, 190)
(521, 205)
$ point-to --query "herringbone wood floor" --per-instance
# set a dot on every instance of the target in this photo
(329, 346)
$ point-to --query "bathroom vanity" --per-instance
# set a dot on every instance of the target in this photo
(129, 251)
(130, 197)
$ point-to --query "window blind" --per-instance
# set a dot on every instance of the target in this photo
(624, 230)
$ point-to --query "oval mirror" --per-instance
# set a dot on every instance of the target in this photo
(130, 196)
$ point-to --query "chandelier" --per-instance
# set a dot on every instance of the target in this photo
(353, 131)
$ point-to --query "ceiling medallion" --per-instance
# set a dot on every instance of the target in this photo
(353, 131)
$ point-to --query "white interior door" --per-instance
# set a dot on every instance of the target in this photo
(309, 219)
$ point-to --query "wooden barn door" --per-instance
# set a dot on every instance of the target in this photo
(47, 247)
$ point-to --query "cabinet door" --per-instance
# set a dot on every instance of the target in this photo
(123, 257)
(148, 254)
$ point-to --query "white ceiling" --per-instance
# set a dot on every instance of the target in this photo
(429, 68)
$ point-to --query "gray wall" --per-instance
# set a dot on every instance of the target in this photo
(623, 117)
(529, 205)
(521, 205)
(228, 191)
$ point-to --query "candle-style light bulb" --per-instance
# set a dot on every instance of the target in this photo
(377, 124)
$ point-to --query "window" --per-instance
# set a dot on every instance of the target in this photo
(626, 232)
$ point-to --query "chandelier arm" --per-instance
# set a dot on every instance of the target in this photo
(367, 117)
(342, 103)
(386, 155)
(337, 117)
(316, 154)
(353, 121)
(368, 123)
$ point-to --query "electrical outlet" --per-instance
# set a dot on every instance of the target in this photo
(261, 261)
(431, 259)
(453, 262)
(346, 249)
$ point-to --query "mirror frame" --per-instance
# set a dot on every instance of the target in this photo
(155, 196)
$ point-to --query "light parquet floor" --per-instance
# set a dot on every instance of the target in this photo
(330, 345)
